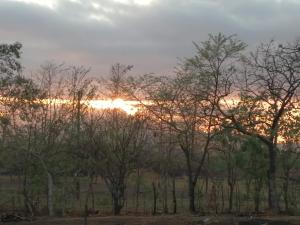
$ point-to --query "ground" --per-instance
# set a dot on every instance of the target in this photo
(165, 220)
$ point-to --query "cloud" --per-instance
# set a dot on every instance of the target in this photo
(45, 3)
(151, 34)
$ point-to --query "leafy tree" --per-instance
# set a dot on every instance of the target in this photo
(9, 60)
(268, 94)
(253, 161)
(229, 145)
(187, 103)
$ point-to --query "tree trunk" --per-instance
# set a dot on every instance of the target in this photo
(286, 190)
(118, 197)
(137, 193)
(206, 184)
(248, 185)
(63, 208)
(238, 199)
(86, 214)
(192, 195)
(27, 202)
(50, 194)
(273, 200)
(93, 198)
(256, 201)
(165, 194)
(154, 198)
(117, 206)
(231, 192)
(174, 195)
(258, 185)
(77, 187)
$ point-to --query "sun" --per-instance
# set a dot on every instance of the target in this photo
(130, 107)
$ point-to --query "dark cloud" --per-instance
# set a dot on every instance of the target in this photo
(97, 33)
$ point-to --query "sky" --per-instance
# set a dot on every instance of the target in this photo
(152, 35)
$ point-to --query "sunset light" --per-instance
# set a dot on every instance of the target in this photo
(154, 112)
(130, 107)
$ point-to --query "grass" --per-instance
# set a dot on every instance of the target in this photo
(11, 197)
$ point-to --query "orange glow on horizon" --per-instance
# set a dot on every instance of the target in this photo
(130, 107)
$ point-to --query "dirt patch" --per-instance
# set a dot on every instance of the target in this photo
(162, 220)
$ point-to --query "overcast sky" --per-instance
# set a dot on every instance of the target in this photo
(149, 34)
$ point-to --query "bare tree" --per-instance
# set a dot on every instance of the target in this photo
(48, 126)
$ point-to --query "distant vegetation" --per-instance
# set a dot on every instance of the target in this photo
(220, 135)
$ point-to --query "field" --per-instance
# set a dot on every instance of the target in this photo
(68, 202)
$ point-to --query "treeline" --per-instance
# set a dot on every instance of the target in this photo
(224, 129)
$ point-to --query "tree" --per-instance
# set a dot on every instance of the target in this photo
(253, 161)
(165, 161)
(230, 144)
(289, 156)
(269, 92)
(120, 140)
(289, 153)
(123, 138)
(47, 125)
(9, 60)
(80, 89)
(18, 157)
(11, 82)
(187, 103)
(19, 97)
